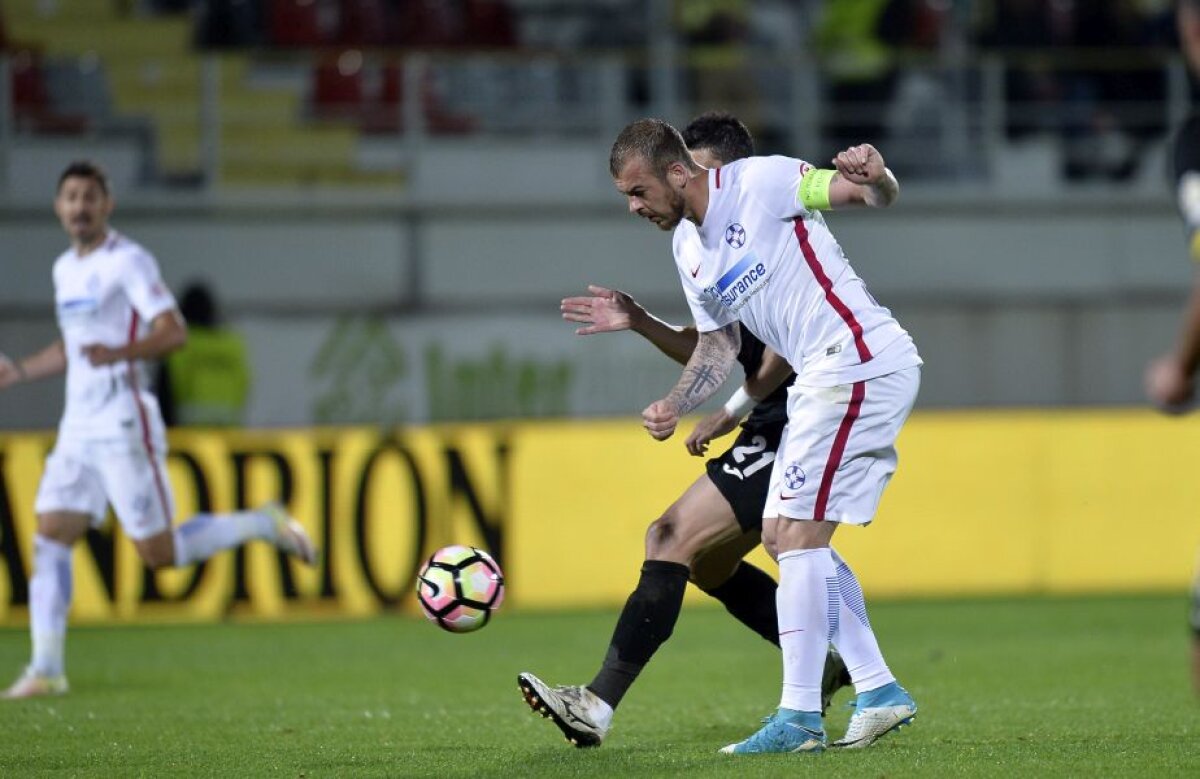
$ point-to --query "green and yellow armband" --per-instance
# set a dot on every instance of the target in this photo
(814, 188)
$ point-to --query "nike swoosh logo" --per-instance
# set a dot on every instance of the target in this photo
(696, 270)
(802, 729)
(788, 497)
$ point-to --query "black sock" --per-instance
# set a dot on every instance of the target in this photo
(645, 623)
(749, 595)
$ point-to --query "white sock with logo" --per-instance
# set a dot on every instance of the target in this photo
(853, 637)
(204, 535)
(49, 602)
(807, 601)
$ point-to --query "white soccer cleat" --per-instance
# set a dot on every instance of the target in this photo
(33, 685)
(876, 714)
(577, 711)
(290, 535)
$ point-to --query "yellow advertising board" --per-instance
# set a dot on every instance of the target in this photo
(997, 502)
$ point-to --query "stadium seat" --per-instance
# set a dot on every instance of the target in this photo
(33, 110)
(386, 114)
(337, 91)
(299, 23)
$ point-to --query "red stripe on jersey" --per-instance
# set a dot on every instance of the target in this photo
(147, 441)
(814, 265)
(858, 391)
(718, 172)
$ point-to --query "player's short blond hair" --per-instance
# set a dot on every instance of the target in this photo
(652, 140)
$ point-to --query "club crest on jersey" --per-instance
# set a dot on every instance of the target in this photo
(740, 283)
(735, 235)
(794, 476)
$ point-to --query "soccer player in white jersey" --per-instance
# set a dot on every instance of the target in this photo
(114, 313)
(751, 244)
(702, 535)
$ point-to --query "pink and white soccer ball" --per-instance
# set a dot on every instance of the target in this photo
(459, 587)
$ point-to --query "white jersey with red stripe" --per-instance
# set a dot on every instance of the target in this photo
(762, 257)
(109, 297)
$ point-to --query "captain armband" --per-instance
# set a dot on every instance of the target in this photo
(814, 188)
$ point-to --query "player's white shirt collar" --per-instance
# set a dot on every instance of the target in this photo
(110, 239)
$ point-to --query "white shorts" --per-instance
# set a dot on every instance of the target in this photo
(85, 476)
(838, 450)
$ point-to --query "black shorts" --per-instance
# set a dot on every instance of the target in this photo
(743, 473)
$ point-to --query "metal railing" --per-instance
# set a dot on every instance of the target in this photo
(940, 117)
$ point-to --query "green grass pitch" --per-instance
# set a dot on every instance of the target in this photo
(1006, 688)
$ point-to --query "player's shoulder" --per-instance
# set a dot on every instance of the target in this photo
(61, 263)
(753, 172)
(119, 243)
(684, 235)
(128, 253)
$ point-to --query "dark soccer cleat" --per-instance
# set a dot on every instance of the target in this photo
(577, 711)
(835, 677)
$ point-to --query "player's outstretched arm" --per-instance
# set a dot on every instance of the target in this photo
(609, 311)
(772, 371)
(167, 333)
(1170, 380)
(49, 361)
(862, 179)
(705, 371)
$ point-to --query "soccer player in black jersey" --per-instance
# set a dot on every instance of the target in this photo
(718, 519)
(1170, 380)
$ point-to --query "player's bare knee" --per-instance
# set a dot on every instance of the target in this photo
(156, 560)
(666, 540)
(660, 536)
(64, 529)
(157, 551)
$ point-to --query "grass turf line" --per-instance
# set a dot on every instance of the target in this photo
(1037, 687)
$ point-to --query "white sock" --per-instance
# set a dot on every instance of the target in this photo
(49, 602)
(204, 535)
(808, 602)
(854, 638)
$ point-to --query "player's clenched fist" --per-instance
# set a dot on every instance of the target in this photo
(660, 419)
(862, 164)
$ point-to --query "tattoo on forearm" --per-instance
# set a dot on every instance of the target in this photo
(702, 377)
(709, 366)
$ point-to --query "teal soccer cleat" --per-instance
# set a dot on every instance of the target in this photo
(784, 731)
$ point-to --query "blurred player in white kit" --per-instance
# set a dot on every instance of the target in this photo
(114, 313)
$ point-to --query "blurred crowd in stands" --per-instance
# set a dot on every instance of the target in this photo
(1090, 73)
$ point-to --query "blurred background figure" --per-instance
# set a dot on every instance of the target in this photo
(207, 382)
(1170, 380)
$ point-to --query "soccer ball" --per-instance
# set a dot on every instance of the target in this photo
(459, 588)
